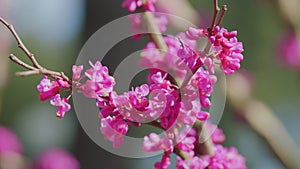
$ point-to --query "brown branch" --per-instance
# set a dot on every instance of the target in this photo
(269, 127)
(262, 120)
(222, 14)
(20, 43)
(36, 68)
(206, 144)
(216, 11)
(155, 33)
(20, 62)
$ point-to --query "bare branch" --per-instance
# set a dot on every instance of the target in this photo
(206, 146)
(216, 11)
(36, 68)
(28, 72)
(224, 9)
(20, 62)
(20, 43)
(155, 33)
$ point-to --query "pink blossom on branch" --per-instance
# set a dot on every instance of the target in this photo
(76, 72)
(99, 82)
(132, 5)
(47, 89)
(114, 129)
(62, 104)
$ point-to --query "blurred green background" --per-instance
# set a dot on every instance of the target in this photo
(55, 31)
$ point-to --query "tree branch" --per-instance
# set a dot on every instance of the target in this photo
(36, 68)
(263, 121)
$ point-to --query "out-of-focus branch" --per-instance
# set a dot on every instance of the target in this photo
(156, 34)
(290, 12)
(206, 144)
(36, 67)
(182, 9)
(263, 121)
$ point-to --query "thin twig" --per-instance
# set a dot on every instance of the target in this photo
(206, 146)
(36, 68)
(224, 9)
(216, 11)
(155, 33)
(20, 43)
(20, 62)
(28, 72)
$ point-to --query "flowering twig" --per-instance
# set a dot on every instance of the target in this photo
(216, 11)
(36, 68)
(160, 43)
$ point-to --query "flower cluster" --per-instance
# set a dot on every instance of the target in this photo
(176, 96)
(51, 90)
(227, 50)
(132, 5)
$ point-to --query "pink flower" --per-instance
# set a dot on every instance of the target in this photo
(195, 34)
(289, 50)
(132, 5)
(194, 163)
(100, 83)
(55, 159)
(190, 57)
(62, 104)
(133, 105)
(165, 162)
(204, 82)
(9, 142)
(154, 142)
(226, 158)
(217, 135)
(202, 115)
(227, 48)
(76, 72)
(47, 88)
(114, 129)
(186, 144)
(170, 61)
(106, 106)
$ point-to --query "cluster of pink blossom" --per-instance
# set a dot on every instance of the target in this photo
(179, 87)
(227, 158)
(51, 90)
(226, 48)
(132, 5)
